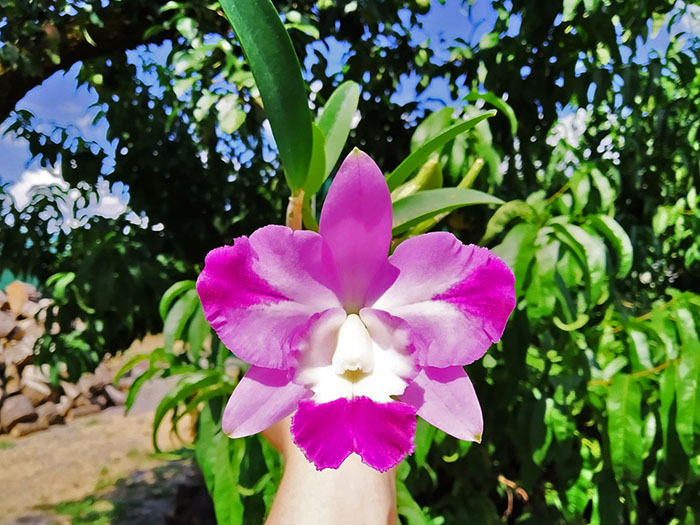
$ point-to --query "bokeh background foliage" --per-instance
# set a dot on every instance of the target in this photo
(592, 399)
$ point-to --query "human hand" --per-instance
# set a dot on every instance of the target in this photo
(307, 496)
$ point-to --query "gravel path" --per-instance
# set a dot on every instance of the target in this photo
(86, 458)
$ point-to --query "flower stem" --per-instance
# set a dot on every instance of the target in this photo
(296, 201)
(637, 375)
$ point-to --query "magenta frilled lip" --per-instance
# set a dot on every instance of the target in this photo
(353, 342)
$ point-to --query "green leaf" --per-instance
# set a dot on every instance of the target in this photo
(336, 119)
(187, 27)
(228, 506)
(429, 177)
(275, 66)
(688, 398)
(500, 104)
(517, 250)
(605, 190)
(407, 507)
(431, 127)
(423, 440)
(503, 215)
(231, 116)
(540, 431)
(489, 40)
(308, 29)
(197, 333)
(618, 238)
(580, 189)
(418, 157)
(640, 344)
(570, 9)
(178, 316)
(204, 449)
(541, 292)
(137, 384)
(414, 208)
(179, 394)
(625, 428)
(657, 22)
(60, 282)
(170, 295)
(667, 393)
(589, 254)
(317, 166)
(128, 365)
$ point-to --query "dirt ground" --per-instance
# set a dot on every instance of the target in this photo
(97, 469)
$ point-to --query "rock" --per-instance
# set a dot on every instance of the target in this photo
(28, 331)
(17, 295)
(16, 409)
(44, 305)
(126, 381)
(84, 410)
(48, 413)
(4, 305)
(103, 376)
(115, 395)
(36, 392)
(102, 400)
(35, 386)
(12, 379)
(7, 322)
(85, 384)
(64, 405)
(30, 309)
(18, 354)
(72, 392)
(81, 401)
(22, 429)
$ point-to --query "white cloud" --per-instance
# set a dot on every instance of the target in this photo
(32, 180)
(71, 208)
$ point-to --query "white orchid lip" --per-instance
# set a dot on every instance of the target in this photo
(356, 363)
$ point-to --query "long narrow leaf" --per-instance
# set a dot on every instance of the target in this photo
(499, 104)
(275, 67)
(336, 119)
(419, 206)
(619, 239)
(625, 428)
(418, 157)
(178, 316)
(317, 166)
(688, 398)
(170, 295)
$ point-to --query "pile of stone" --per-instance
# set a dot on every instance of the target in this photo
(28, 400)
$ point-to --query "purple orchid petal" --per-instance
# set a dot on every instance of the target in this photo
(262, 397)
(380, 433)
(445, 397)
(456, 298)
(383, 432)
(258, 292)
(324, 432)
(356, 224)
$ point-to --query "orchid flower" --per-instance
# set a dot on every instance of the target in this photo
(354, 342)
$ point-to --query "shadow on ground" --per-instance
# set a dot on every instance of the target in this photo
(170, 494)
